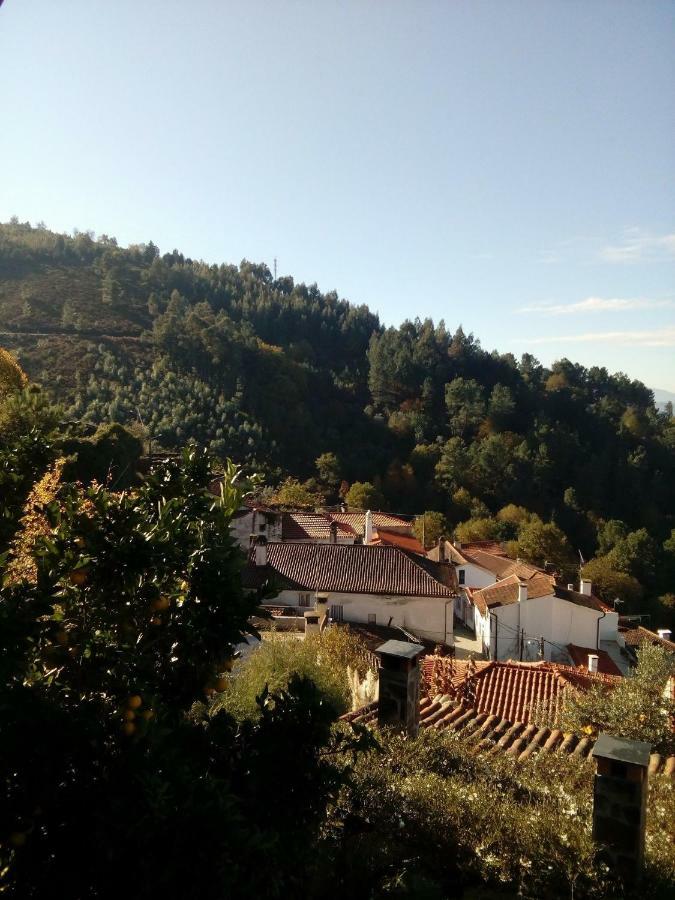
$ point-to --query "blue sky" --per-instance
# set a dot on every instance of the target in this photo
(507, 165)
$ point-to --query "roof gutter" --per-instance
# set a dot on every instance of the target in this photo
(597, 626)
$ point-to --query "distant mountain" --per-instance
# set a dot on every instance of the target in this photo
(276, 373)
(663, 397)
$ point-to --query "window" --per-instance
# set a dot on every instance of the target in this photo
(262, 526)
(304, 599)
(461, 575)
(372, 618)
(336, 613)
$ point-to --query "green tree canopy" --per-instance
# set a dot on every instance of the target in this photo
(363, 495)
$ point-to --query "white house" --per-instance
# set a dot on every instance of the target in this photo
(533, 618)
(365, 583)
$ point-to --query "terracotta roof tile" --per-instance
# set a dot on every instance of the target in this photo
(510, 690)
(350, 568)
(357, 521)
(396, 539)
(636, 636)
(490, 734)
(606, 664)
(310, 527)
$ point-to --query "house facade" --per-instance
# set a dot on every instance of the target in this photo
(364, 583)
(534, 618)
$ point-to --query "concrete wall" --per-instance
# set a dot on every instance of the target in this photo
(425, 617)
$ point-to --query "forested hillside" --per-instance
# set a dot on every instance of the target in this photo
(276, 374)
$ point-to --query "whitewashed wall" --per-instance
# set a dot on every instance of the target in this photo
(558, 621)
(475, 576)
(425, 617)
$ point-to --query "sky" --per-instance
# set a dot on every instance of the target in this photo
(505, 165)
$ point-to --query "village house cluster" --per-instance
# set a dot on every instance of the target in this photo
(468, 600)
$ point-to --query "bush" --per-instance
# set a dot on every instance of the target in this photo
(323, 658)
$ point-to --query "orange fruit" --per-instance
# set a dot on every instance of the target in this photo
(221, 683)
(228, 665)
(129, 715)
(128, 728)
(148, 714)
(135, 701)
(79, 577)
(162, 602)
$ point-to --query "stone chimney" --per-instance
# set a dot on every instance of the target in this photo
(399, 700)
(586, 587)
(664, 633)
(332, 533)
(522, 591)
(260, 549)
(368, 529)
(441, 549)
(312, 624)
(321, 606)
(620, 803)
(593, 660)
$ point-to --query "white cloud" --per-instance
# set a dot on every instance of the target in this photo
(640, 246)
(661, 337)
(596, 305)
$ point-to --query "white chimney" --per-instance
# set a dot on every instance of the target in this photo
(664, 633)
(586, 587)
(522, 591)
(368, 532)
(593, 662)
(261, 550)
(570, 587)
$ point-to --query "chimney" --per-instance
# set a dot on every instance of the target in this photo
(332, 533)
(522, 591)
(399, 699)
(312, 625)
(620, 803)
(586, 587)
(664, 633)
(441, 549)
(321, 606)
(570, 587)
(368, 529)
(593, 662)
(260, 548)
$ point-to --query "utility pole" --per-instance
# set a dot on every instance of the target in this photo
(275, 268)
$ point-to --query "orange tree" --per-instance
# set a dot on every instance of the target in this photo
(116, 780)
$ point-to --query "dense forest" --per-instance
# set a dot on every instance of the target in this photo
(278, 375)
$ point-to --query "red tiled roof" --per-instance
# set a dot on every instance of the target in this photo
(491, 734)
(606, 664)
(396, 539)
(509, 689)
(350, 568)
(310, 527)
(505, 592)
(495, 717)
(357, 520)
(636, 636)
(493, 547)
